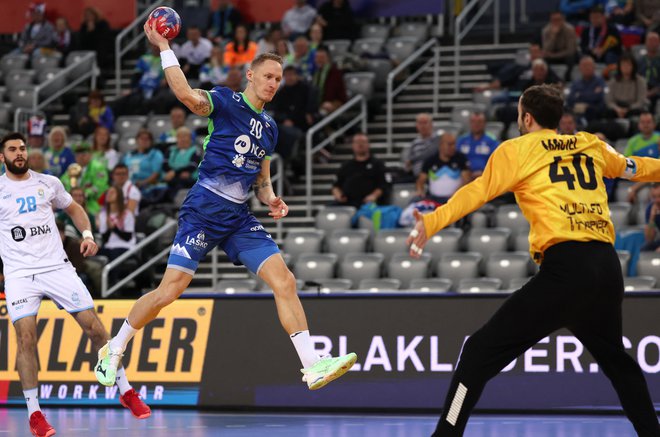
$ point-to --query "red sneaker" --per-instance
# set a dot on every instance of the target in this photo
(39, 426)
(132, 401)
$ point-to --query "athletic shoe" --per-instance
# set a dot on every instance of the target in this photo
(39, 426)
(106, 367)
(326, 370)
(131, 400)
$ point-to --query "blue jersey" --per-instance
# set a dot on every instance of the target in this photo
(240, 138)
(477, 151)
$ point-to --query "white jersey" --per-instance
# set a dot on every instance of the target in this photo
(29, 240)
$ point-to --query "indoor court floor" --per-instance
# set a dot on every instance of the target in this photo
(118, 422)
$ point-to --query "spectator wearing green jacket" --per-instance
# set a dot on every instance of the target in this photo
(92, 177)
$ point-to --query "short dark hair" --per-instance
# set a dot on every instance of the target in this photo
(260, 59)
(118, 167)
(545, 103)
(9, 137)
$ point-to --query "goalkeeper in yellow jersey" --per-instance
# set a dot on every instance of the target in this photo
(558, 183)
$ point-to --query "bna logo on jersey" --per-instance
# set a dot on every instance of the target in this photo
(18, 233)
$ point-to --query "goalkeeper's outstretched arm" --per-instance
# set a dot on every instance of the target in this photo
(195, 99)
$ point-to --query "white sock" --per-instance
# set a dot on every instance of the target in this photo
(119, 341)
(122, 381)
(305, 348)
(32, 400)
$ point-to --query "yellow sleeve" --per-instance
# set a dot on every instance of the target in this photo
(499, 176)
(635, 168)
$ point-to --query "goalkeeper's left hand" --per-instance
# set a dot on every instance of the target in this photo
(417, 239)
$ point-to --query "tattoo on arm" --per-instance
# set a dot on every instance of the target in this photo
(259, 184)
(203, 105)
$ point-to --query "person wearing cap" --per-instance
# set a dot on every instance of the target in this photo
(92, 176)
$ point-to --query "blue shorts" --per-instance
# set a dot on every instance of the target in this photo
(207, 220)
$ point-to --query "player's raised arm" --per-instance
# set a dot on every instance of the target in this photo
(635, 168)
(195, 99)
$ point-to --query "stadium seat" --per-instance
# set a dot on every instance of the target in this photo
(445, 241)
(368, 46)
(507, 266)
(399, 48)
(624, 259)
(479, 285)
(334, 217)
(126, 144)
(315, 266)
(404, 268)
(510, 216)
(18, 78)
(448, 126)
(488, 240)
(513, 131)
(619, 214)
(231, 286)
(159, 124)
(360, 83)
(13, 62)
(648, 264)
(639, 283)
(430, 284)
(329, 285)
(23, 96)
(622, 187)
(381, 68)
(180, 197)
(638, 51)
(338, 47)
(417, 30)
(375, 31)
(5, 113)
(402, 194)
(46, 62)
(460, 112)
(520, 240)
(197, 124)
(75, 57)
(129, 124)
(458, 265)
(518, 283)
(345, 241)
(391, 241)
(359, 266)
(495, 129)
(379, 285)
(560, 70)
(57, 81)
(298, 242)
(620, 146)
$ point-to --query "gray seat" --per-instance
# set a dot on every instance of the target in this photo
(376, 31)
(622, 187)
(338, 47)
(520, 239)
(18, 78)
(82, 67)
(359, 266)
(159, 124)
(488, 240)
(391, 241)
(297, 242)
(126, 144)
(619, 214)
(315, 266)
(445, 241)
(360, 83)
(330, 285)
(479, 285)
(648, 264)
(402, 194)
(334, 217)
(231, 286)
(23, 96)
(13, 62)
(381, 68)
(510, 216)
(46, 62)
(461, 112)
(458, 265)
(518, 283)
(180, 197)
(430, 284)
(129, 124)
(345, 241)
(195, 122)
(379, 285)
(399, 48)
(507, 266)
(560, 70)
(404, 268)
(624, 259)
(417, 30)
(639, 283)
(56, 81)
(371, 46)
(448, 126)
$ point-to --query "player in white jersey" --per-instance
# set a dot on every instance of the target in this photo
(36, 266)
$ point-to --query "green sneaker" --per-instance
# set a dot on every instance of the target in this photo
(106, 367)
(326, 370)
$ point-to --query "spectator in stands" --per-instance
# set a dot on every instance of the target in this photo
(559, 41)
(240, 51)
(145, 166)
(234, 80)
(601, 40)
(297, 20)
(577, 10)
(421, 148)
(477, 145)
(445, 172)
(95, 35)
(284, 49)
(214, 72)
(268, 43)
(90, 174)
(587, 94)
(180, 169)
(62, 36)
(37, 162)
(567, 124)
(38, 36)
(649, 68)
(223, 21)
(645, 143)
(362, 179)
(36, 131)
(194, 52)
(315, 36)
(627, 90)
(58, 154)
(652, 221)
(132, 195)
(102, 149)
(329, 82)
(85, 117)
(78, 195)
(509, 73)
(540, 74)
(302, 57)
(337, 20)
(648, 14)
(177, 120)
(620, 11)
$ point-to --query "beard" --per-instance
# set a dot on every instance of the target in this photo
(521, 129)
(13, 168)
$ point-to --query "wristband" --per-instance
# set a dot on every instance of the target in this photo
(87, 234)
(168, 59)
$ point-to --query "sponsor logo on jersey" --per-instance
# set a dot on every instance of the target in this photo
(257, 228)
(6, 196)
(39, 230)
(18, 233)
(560, 144)
(19, 302)
(198, 242)
(243, 144)
(177, 249)
(75, 298)
(238, 160)
(40, 192)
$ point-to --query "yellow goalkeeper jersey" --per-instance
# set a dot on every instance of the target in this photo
(558, 183)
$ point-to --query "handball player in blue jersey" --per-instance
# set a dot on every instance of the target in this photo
(237, 153)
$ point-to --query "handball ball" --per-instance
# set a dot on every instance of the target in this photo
(165, 21)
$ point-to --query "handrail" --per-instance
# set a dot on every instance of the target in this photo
(121, 51)
(431, 43)
(36, 105)
(105, 292)
(309, 150)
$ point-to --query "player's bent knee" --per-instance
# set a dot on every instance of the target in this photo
(286, 285)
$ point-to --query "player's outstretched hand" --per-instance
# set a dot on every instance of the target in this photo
(88, 247)
(278, 209)
(417, 239)
(154, 37)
